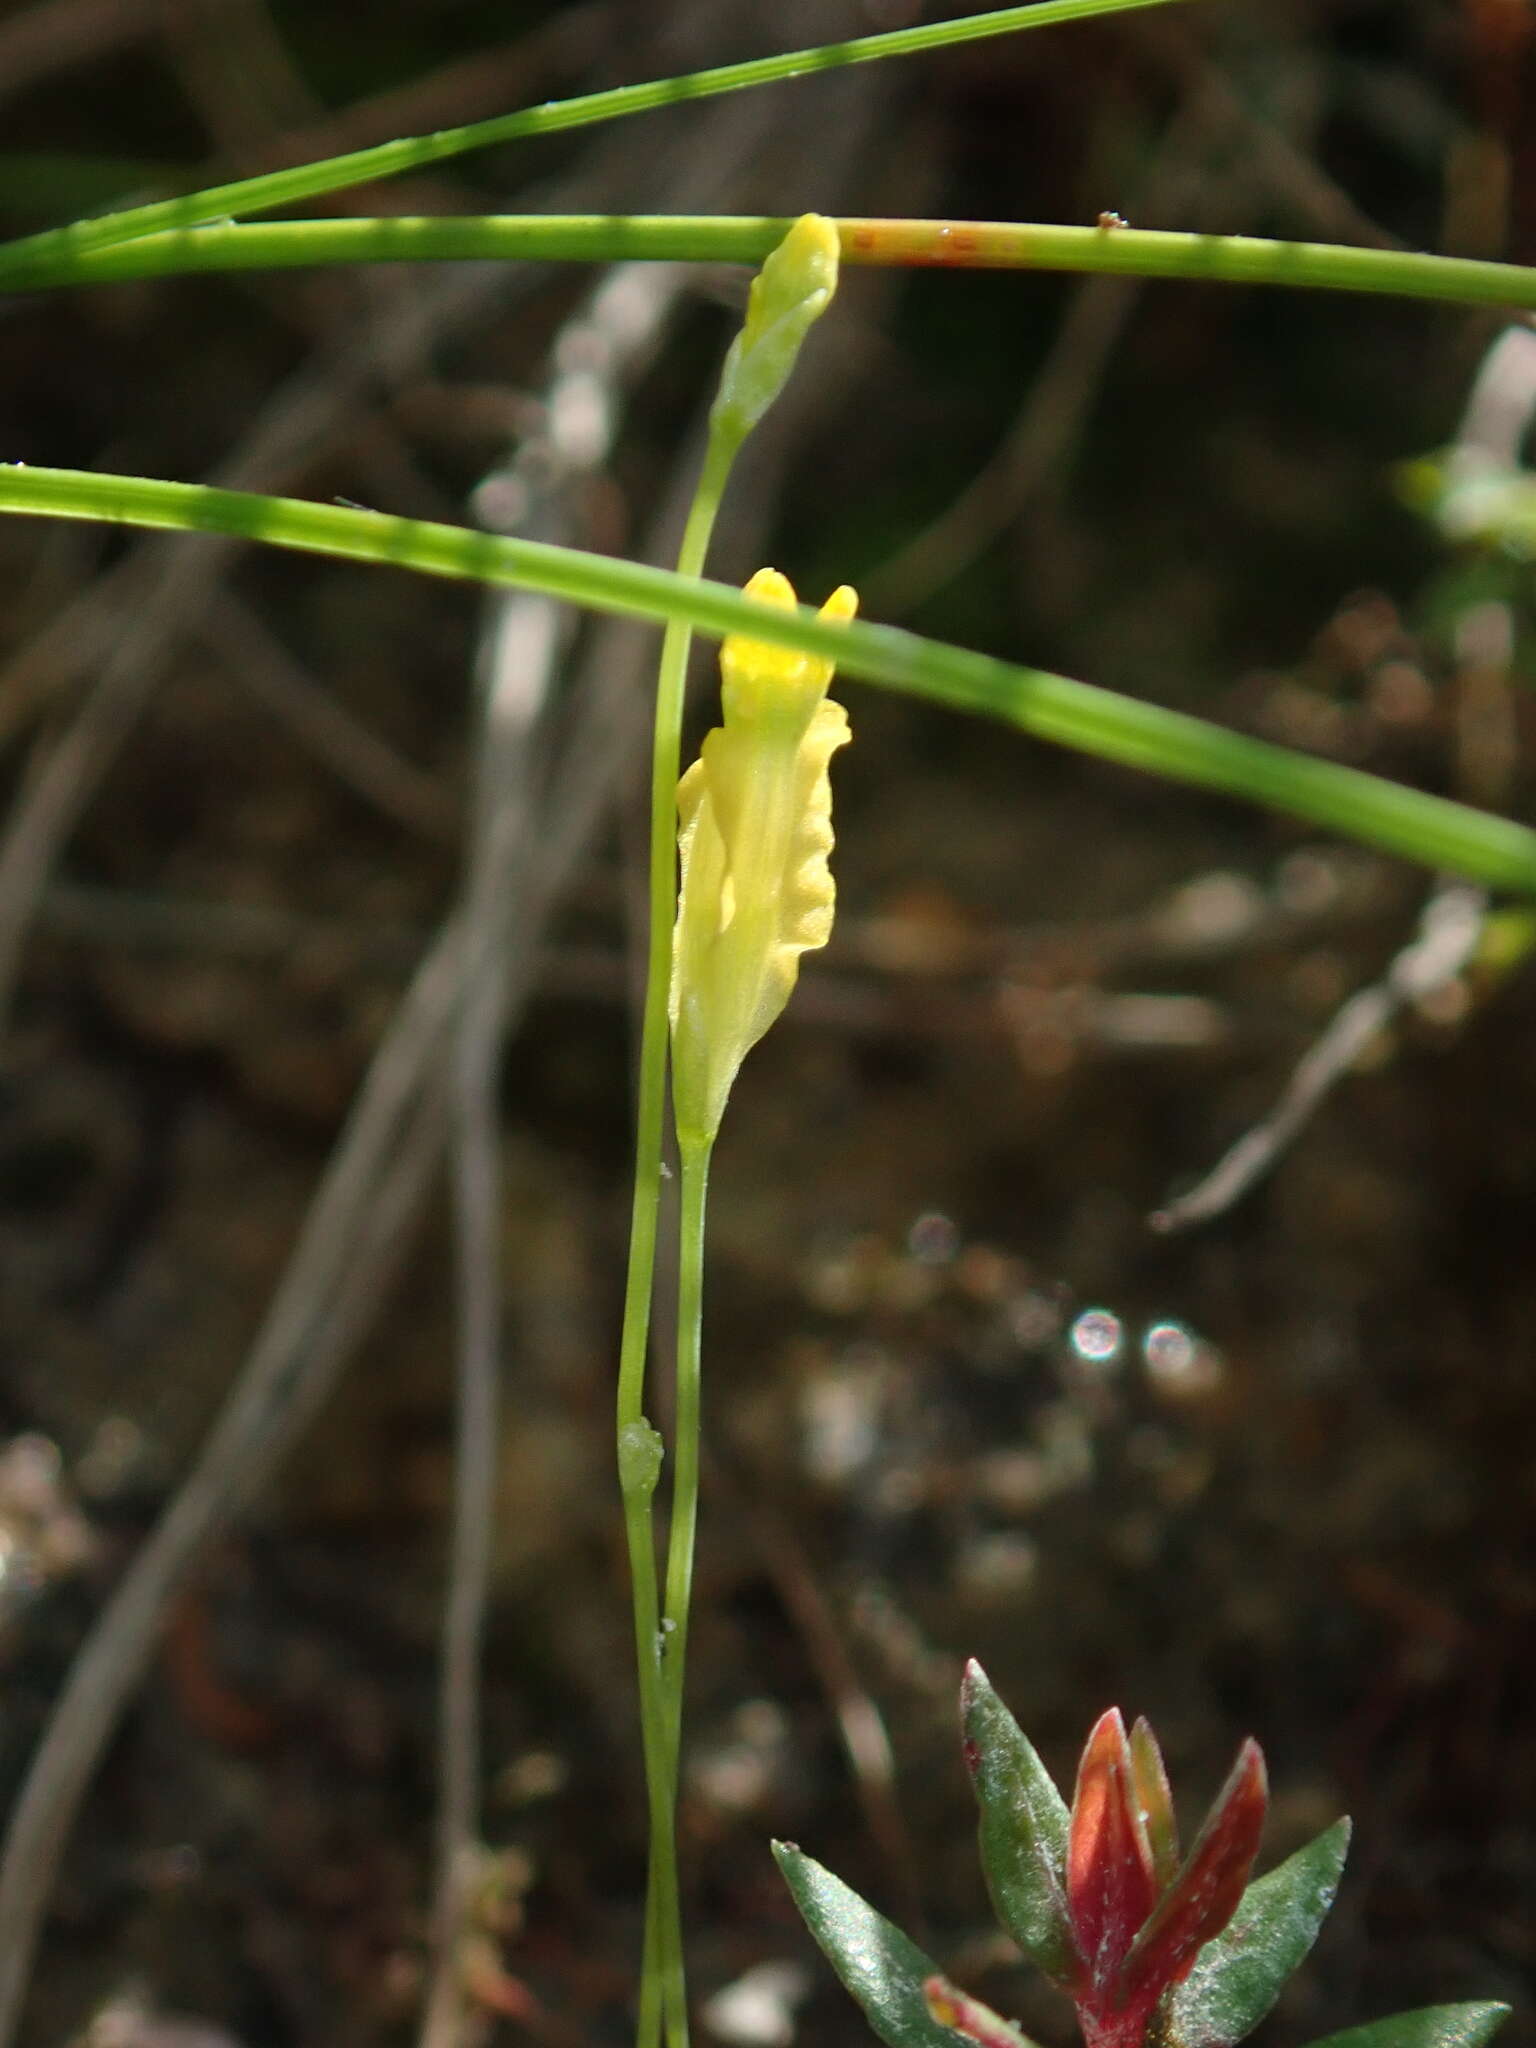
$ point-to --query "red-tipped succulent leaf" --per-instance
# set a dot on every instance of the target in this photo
(1139, 1916)
(1111, 1885)
(1154, 1798)
(1153, 1952)
(1208, 1888)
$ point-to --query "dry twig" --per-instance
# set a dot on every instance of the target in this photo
(1448, 933)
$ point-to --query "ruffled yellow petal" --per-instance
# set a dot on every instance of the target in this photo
(754, 836)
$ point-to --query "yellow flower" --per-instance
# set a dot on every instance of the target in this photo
(754, 833)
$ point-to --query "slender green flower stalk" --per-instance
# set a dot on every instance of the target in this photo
(640, 1450)
(755, 813)
(791, 291)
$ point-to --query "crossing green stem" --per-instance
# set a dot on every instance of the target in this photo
(23, 259)
(1431, 829)
(708, 238)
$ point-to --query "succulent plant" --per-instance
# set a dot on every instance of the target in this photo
(1155, 1950)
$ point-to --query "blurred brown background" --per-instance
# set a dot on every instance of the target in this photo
(1272, 1474)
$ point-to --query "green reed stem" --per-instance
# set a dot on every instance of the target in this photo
(958, 245)
(22, 261)
(1478, 844)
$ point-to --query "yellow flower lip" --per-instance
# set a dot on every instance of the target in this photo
(754, 835)
(757, 666)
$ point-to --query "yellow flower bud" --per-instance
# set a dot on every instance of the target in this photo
(791, 291)
(754, 833)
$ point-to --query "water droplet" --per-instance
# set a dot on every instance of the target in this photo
(1097, 1336)
(1179, 1362)
(1169, 1350)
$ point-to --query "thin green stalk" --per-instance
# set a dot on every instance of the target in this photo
(661, 1976)
(684, 1521)
(1493, 850)
(661, 1860)
(20, 260)
(960, 245)
(685, 1478)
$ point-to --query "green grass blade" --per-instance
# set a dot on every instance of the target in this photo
(261, 194)
(1492, 850)
(611, 238)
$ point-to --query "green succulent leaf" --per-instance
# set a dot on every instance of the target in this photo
(1023, 1833)
(1432, 2026)
(884, 1972)
(1238, 1976)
